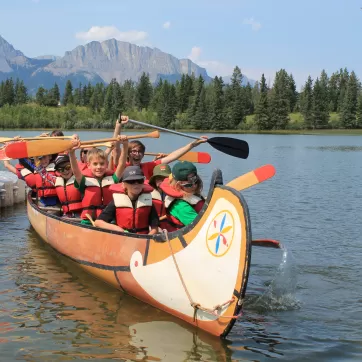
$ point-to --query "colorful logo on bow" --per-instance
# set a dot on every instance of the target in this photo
(220, 233)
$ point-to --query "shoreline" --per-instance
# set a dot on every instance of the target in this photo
(306, 132)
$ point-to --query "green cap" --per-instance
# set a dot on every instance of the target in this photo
(160, 170)
(183, 169)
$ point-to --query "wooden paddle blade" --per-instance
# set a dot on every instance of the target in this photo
(155, 134)
(230, 146)
(37, 148)
(196, 157)
(267, 243)
(252, 178)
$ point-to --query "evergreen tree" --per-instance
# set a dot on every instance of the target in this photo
(144, 92)
(359, 112)
(218, 117)
(21, 93)
(113, 103)
(158, 96)
(56, 93)
(247, 96)
(342, 86)
(85, 99)
(262, 113)
(68, 93)
(97, 100)
(333, 91)
(280, 101)
(201, 120)
(236, 105)
(292, 94)
(306, 103)
(349, 107)
(129, 94)
(195, 101)
(40, 96)
(167, 104)
(2, 86)
(320, 106)
(8, 92)
(77, 96)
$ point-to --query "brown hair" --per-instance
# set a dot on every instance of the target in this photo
(135, 143)
(96, 153)
(175, 184)
(57, 133)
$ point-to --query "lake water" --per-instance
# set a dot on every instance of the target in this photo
(304, 302)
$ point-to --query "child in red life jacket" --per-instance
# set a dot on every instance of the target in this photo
(132, 206)
(23, 173)
(94, 182)
(160, 172)
(183, 199)
(45, 181)
(70, 198)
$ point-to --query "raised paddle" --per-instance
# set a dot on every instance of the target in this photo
(51, 146)
(230, 146)
(5, 139)
(196, 157)
(252, 178)
(154, 134)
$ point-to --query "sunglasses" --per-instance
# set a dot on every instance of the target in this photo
(133, 182)
(193, 181)
(64, 169)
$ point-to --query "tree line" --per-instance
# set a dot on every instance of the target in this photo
(190, 103)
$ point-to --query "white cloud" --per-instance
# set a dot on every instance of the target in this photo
(99, 33)
(255, 25)
(195, 53)
(167, 25)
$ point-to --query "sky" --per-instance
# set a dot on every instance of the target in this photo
(260, 36)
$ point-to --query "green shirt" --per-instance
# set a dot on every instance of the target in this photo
(81, 186)
(183, 211)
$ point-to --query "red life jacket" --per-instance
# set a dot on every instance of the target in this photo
(160, 208)
(171, 196)
(96, 195)
(27, 176)
(69, 197)
(134, 220)
(44, 182)
(82, 166)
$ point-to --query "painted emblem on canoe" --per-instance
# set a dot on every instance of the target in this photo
(220, 234)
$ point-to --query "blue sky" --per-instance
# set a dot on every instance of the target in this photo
(258, 35)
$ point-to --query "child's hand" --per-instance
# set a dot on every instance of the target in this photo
(197, 142)
(160, 155)
(122, 139)
(124, 119)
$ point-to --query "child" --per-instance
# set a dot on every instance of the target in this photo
(136, 152)
(94, 182)
(70, 198)
(45, 181)
(160, 172)
(24, 170)
(132, 207)
(183, 199)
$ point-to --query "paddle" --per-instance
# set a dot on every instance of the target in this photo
(154, 134)
(230, 146)
(5, 139)
(196, 157)
(51, 146)
(267, 243)
(252, 178)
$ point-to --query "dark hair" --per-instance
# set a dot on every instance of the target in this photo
(135, 143)
(57, 133)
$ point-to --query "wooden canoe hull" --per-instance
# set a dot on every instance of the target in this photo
(212, 255)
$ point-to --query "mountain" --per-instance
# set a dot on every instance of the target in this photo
(94, 62)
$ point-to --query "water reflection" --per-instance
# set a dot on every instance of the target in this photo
(62, 312)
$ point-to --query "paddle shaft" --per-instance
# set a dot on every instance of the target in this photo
(155, 134)
(4, 139)
(164, 129)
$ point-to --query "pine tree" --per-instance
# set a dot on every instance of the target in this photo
(333, 91)
(21, 93)
(262, 113)
(292, 94)
(201, 120)
(77, 96)
(247, 96)
(8, 92)
(279, 100)
(349, 107)
(218, 117)
(56, 93)
(320, 106)
(306, 103)
(144, 92)
(342, 87)
(68, 93)
(359, 112)
(40, 96)
(167, 104)
(129, 94)
(195, 101)
(236, 105)
(113, 103)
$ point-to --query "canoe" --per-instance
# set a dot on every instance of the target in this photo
(198, 274)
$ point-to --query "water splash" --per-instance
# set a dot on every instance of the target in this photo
(280, 294)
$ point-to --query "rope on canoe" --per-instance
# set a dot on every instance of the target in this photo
(198, 306)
